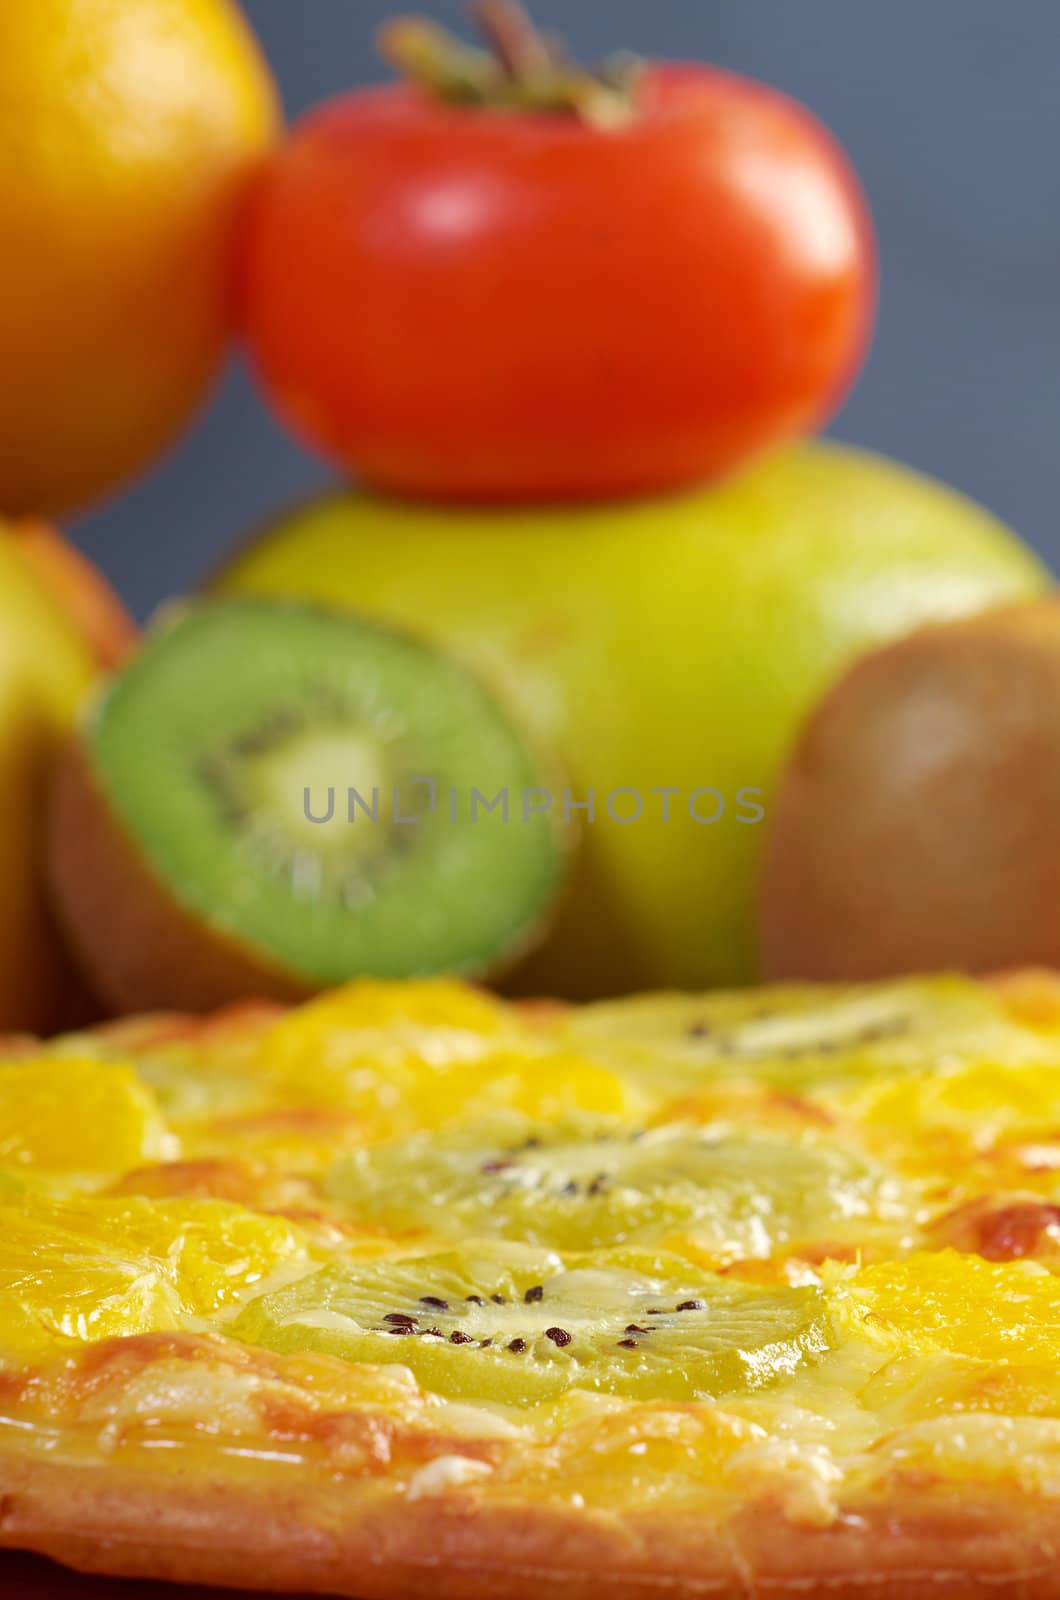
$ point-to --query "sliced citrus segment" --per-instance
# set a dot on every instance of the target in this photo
(1005, 1312)
(65, 1114)
(96, 1268)
(430, 1023)
(422, 1055)
(980, 1102)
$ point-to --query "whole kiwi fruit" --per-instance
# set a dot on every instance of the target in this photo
(916, 825)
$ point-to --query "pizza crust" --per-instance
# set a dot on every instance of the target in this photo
(382, 1500)
(315, 1536)
(364, 1496)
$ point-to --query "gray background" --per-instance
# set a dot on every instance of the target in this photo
(951, 112)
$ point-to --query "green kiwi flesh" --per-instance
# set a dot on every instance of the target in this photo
(588, 1184)
(799, 1036)
(518, 1325)
(227, 752)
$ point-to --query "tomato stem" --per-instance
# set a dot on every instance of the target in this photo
(514, 39)
(523, 70)
(532, 58)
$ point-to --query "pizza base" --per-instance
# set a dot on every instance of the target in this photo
(323, 1503)
(251, 1510)
(316, 1538)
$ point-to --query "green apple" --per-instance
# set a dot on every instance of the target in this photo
(660, 645)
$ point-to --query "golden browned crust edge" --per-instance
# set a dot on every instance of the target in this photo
(140, 950)
(319, 1534)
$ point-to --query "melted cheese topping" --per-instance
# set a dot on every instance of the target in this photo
(266, 1234)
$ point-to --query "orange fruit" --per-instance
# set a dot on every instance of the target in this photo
(129, 131)
(1004, 1312)
(90, 1268)
(46, 1105)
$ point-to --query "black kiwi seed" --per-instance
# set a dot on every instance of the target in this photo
(474, 1300)
(632, 1327)
(627, 1344)
(558, 1336)
(484, 1344)
(402, 1327)
(434, 1302)
(401, 1318)
(460, 1338)
(532, 1296)
(599, 1183)
(518, 1345)
(437, 1332)
(692, 1305)
(498, 1300)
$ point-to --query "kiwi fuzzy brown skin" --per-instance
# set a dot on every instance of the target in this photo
(915, 826)
(138, 949)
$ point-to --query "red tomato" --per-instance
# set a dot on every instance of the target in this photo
(467, 303)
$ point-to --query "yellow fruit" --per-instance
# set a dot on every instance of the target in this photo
(80, 590)
(536, 1086)
(981, 1103)
(959, 1304)
(59, 622)
(662, 644)
(372, 1021)
(45, 668)
(95, 1269)
(399, 1056)
(128, 132)
(357, 1048)
(47, 1105)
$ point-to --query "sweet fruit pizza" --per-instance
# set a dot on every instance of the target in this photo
(410, 1291)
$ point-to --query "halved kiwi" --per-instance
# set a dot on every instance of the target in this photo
(588, 1183)
(519, 1325)
(234, 817)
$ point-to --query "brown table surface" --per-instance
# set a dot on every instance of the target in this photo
(28, 1578)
